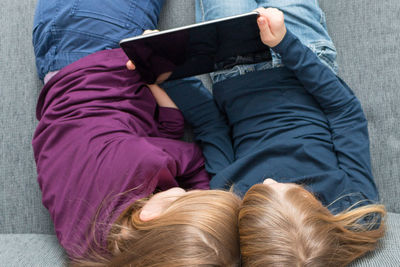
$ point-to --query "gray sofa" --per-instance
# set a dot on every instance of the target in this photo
(367, 36)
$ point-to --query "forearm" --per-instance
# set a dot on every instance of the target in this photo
(162, 98)
(210, 127)
(189, 167)
(169, 117)
(341, 107)
(170, 123)
(329, 91)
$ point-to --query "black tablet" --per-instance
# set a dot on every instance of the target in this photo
(197, 49)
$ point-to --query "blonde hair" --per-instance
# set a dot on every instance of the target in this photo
(295, 229)
(198, 229)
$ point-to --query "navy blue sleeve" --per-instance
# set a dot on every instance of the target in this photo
(210, 126)
(341, 107)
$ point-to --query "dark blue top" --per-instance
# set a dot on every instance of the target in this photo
(297, 124)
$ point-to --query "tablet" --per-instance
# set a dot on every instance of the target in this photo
(197, 49)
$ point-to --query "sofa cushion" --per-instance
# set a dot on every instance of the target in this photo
(44, 250)
(34, 250)
(366, 34)
(21, 210)
(388, 251)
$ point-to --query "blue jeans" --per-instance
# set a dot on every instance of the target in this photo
(65, 31)
(304, 18)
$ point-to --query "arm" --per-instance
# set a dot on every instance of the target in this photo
(210, 126)
(162, 99)
(187, 163)
(170, 119)
(200, 179)
(342, 109)
(170, 123)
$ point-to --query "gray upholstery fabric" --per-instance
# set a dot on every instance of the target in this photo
(388, 250)
(177, 13)
(366, 33)
(18, 250)
(21, 210)
(44, 250)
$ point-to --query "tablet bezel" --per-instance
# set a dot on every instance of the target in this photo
(187, 27)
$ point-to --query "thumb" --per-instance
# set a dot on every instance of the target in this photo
(130, 65)
(265, 31)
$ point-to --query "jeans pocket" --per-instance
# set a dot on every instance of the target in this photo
(116, 12)
(38, 18)
(222, 75)
(326, 52)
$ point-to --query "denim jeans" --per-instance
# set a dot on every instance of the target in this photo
(65, 31)
(304, 18)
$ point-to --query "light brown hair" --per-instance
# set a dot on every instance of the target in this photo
(295, 229)
(198, 229)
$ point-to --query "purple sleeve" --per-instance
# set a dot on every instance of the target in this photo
(191, 173)
(186, 164)
(199, 181)
(170, 123)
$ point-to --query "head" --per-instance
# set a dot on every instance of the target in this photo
(285, 225)
(177, 228)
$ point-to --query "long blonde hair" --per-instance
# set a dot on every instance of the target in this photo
(198, 229)
(295, 229)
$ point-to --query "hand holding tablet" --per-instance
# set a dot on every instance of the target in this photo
(272, 26)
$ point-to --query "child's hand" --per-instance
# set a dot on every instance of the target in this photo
(130, 65)
(161, 78)
(162, 98)
(272, 26)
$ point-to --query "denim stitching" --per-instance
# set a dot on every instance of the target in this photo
(131, 12)
(75, 12)
(38, 18)
(74, 7)
(88, 35)
(202, 10)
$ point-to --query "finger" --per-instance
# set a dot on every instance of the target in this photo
(130, 65)
(263, 19)
(149, 31)
(263, 25)
(265, 31)
(259, 10)
(276, 21)
(163, 77)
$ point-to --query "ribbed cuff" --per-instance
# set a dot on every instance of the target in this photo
(169, 114)
(287, 41)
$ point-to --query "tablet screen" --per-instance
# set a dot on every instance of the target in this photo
(197, 49)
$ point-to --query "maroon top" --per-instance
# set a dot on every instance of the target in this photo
(102, 143)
